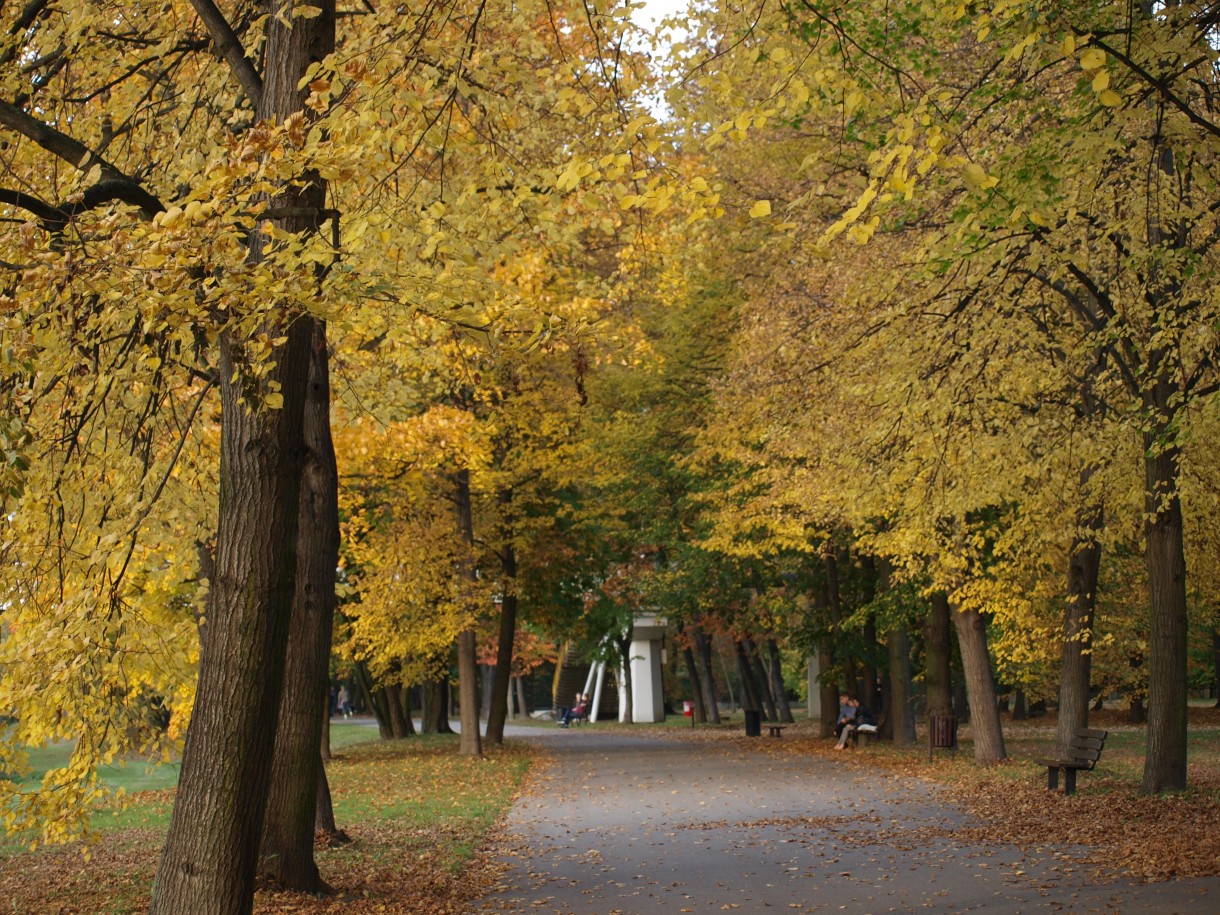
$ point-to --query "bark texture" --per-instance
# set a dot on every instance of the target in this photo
(1165, 761)
(504, 646)
(938, 651)
(1075, 664)
(470, 743)
(286, 854)
(980, 685)
(711, 701)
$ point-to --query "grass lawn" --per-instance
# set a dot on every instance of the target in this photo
(415, 811)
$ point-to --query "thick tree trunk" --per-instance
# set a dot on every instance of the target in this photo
(400, 722)
(508, 635)
(374, 700)
(777, 683)
(901, 711)
(711, 701)
(938, 654)
(286, 853)
(829, 691)
(1075, 663)
(980, 686)
(867, 690)
(761, 681)
(751, 700)
(1165, 760)
(468, 665)
(210, 854)
(436, 707)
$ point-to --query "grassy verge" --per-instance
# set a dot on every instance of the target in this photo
(416, 813)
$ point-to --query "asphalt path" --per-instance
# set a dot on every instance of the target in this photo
(619, 823)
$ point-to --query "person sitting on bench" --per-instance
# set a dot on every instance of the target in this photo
(860, 719)
(578, 710)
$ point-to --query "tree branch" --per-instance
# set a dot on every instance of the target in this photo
(76, 153)
(230, 48)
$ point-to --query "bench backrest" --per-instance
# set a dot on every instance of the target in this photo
(1086, 746)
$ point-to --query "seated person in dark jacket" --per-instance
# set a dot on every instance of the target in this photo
(579, 710)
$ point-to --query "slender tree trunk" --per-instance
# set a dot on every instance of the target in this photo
(711, 700)
(696, 688)
(468, 665)
(1075, 665)
(436, 707)
(508, 635)
(901, 711)
(777, 683)
(980, 685)
(1165, 759)
(286, 854)
(938, 652)
(523, 709)
(627, 714)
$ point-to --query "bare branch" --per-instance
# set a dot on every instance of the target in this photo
(230, 48)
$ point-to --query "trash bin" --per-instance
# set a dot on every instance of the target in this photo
(942, 734)
(688, 708)
(753, 722)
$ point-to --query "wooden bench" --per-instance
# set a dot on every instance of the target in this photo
(776, 730)
(1083, 752)
(865, 731)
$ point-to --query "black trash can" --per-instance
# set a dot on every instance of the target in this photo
(753, 722)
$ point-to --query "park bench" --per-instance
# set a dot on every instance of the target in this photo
(776, 730)
(1083, 752)
(864, 730)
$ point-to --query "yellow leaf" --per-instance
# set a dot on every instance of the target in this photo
(274, 401)
(1110, 98)
(1092, 58)
(760, 209)
(1101, 81)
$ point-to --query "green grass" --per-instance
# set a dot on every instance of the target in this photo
(414, 807)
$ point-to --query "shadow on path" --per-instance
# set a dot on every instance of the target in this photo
(638, 825)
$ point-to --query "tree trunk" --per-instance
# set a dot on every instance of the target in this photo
(627, 713)
(711, 700)
(523, 709)
(1216, 664)
(750, 698)
(286, 853)
(868, 665)
(1165, 760)
(324, 821)
(1075, 663)
(980, 686)
(375, 700)
(761, 681)
(901, 711)
(696, 688)
(777, 683)
(468, 665)
(829, 692)
(436, 707)
(508, 634)
(325, 741)
(210, 854)
(938, 653)
(400, 723)
(834, 604)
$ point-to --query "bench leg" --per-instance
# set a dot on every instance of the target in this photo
(1069, 782)
(1052, 778)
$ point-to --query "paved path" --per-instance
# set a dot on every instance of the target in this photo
(641, 825)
